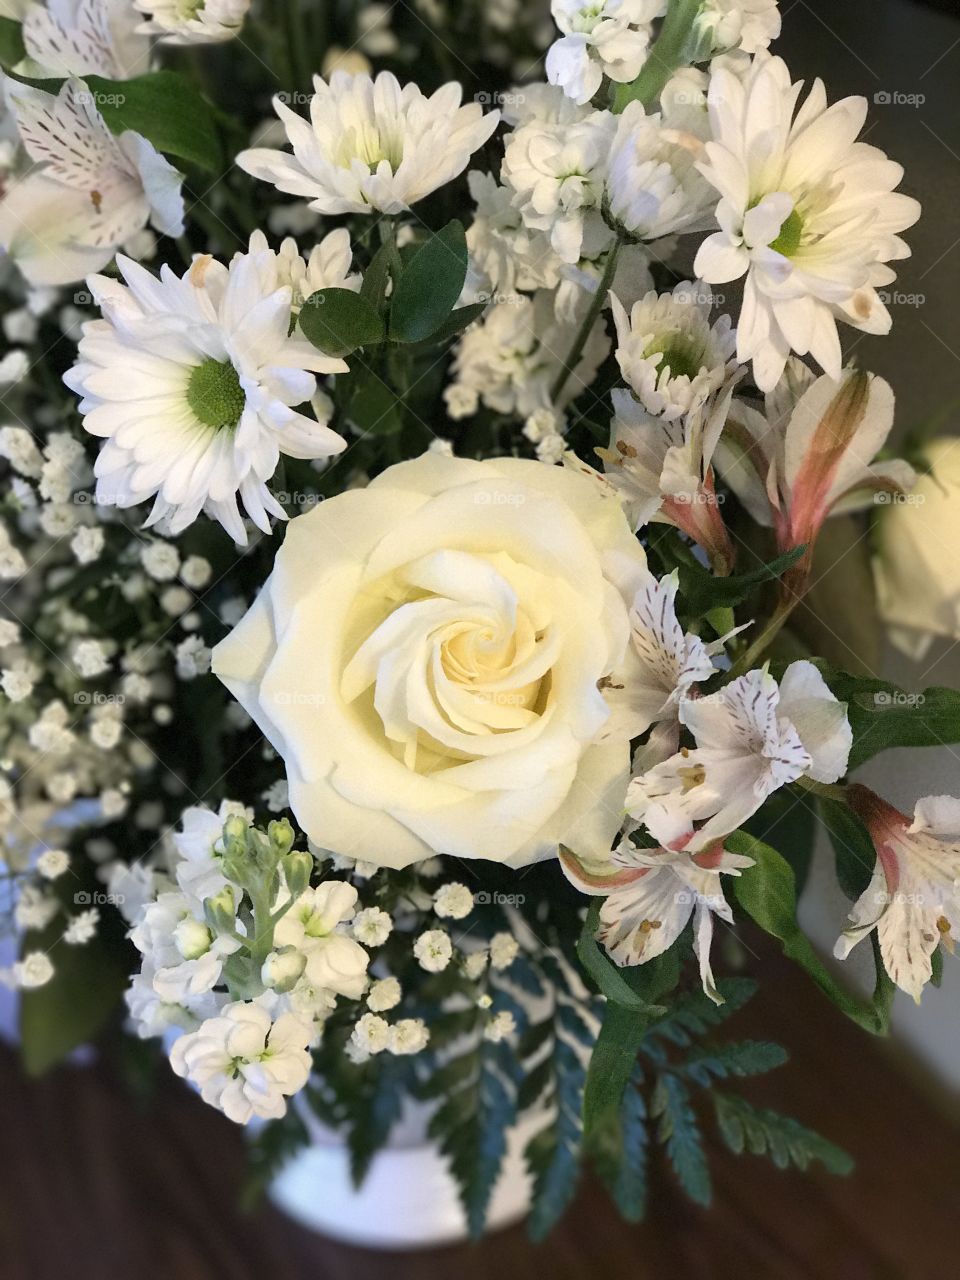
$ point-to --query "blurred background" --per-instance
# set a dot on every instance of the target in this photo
(107, 1176)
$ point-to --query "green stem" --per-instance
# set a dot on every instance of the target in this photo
(665, 56)
(829, 791)
(589, 320)
(751, 655)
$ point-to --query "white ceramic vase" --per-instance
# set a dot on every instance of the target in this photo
(408, 1199)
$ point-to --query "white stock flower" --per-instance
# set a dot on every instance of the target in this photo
(478, 587)
(88, 192)
(557, 172)
(505, 254)
(327, 267)
(654, 187)
(668, 351)
(372, 145)
(749, 25)
(316, 926)
(186, 957)
(752, 737)
(650, 896)
(84, 37)
(212, 407)
(599, 38)
(244, 1063)
(807, 214)
(192, 21)
(913, 898)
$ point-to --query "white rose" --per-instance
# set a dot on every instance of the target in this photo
(916, 566)
(426, 657)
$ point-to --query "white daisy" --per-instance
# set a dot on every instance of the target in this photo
(668, 351)
(89, 190)
(193, 21)
(654, 187)
(193, 383)
(371, 144)
(807, 214)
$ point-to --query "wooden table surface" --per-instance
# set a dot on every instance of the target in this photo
(95, 1185)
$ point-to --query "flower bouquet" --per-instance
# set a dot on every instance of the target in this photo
(426, 435)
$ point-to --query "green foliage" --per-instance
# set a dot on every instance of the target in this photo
(701, 591)
(679, 1132)
(11, 43)
(788, 822)
(429, 286)
(268, 1150)
(883, 715)
(165, 108)
(853, 849)
(554, 1153)
(609, 979)
(337, 321)
(767, 892)
(767, 1133)
(669, 50)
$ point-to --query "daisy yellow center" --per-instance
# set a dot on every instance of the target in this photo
(682, 357)
(214, 394)
(788, 241)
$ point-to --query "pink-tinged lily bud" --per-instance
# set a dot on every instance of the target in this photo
(913, 898)
(698, 515)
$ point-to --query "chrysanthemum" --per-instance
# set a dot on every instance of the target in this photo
(653, 185)
(192, 381)
(808, 214)
(371, 144)
(669, 352)
(193, 21)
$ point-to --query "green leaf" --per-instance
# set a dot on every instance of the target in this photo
(337, 321)
(788, 822)
(680, 1133)
(623, 1168)
(553, 1154)
(701, 591)
(165, 108)
(853, 849)
(767, 892)
(695, 1013)
(374, 409)
(457, 320)
(615, 1052)
(786, 1141)
(374, 285)
(430, 285)
(11, 43)
(608, 977)
(883, 715)
(741, 1058)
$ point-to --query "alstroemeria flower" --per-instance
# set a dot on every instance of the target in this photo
(89, 192)
(662, 665)
(651, 895)
(812, 454)
(663, 469)
(752, 737)
(913, 898)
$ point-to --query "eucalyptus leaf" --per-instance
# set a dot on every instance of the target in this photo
(337, 321)
(430, 285)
